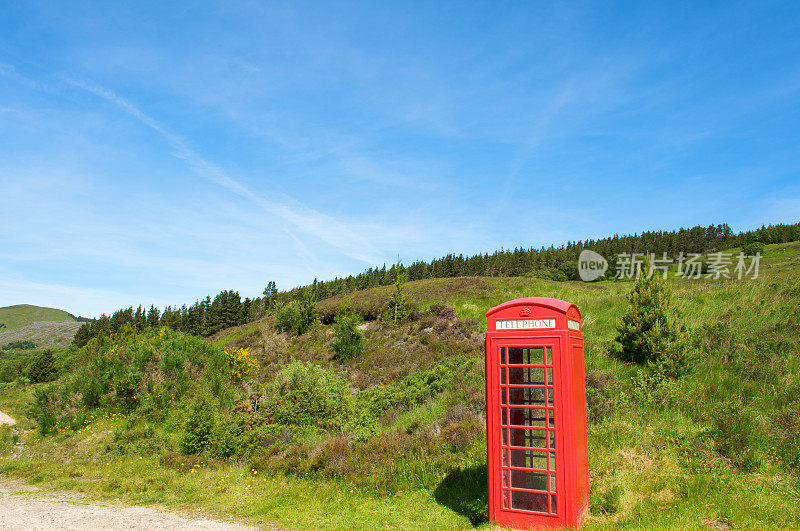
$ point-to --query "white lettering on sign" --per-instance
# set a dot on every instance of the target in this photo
(572, 324)
(515, 324)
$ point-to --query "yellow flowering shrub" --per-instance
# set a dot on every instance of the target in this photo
(241, 362)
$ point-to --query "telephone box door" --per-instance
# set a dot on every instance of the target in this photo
(527, 477)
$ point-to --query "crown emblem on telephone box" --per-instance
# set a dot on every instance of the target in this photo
(525, 312)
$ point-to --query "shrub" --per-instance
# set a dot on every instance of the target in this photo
(46, 404)
(441, 310)
(648, 332)
(309, 395)
(460, 435)
(19, 382)
(125, 388)
(42, 367)
(549, 273)
(349, 341)
(306, 315)
(676, 361)
(91, 390)
(327, 315)
(296, 461)
(409, 391)
(284, 317)
(332, 457)
(297, 317)
(467, 387)
(228, 439)
(656, 389)
(750, 249)
(199, 425)
(241, 363)
(362, 425)
(20, 345)
(398, 307)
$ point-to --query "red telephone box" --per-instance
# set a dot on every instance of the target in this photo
(538, 464)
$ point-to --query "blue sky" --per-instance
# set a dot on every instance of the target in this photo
(161, 151)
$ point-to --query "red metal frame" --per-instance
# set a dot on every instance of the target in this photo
(538, 475)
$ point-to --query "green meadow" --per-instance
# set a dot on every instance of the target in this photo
(276, 428)
(20, 315)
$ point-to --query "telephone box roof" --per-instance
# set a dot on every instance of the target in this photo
(555, 304)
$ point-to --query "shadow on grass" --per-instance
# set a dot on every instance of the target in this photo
(464, 492)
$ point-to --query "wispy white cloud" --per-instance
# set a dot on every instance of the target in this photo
(393, 173)
(295, 214)
(9, 71)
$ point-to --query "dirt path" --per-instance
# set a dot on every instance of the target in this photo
(26, 507)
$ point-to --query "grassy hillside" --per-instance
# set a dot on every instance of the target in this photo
(43, 334)
(275, 428)
(20, 315)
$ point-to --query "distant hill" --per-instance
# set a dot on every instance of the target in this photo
(20, 315)
(43, 334)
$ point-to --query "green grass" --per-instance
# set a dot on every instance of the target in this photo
(217, 489)
(295, 502)
(24, 314)
(717, 447)
(230, 335)
(16, 402)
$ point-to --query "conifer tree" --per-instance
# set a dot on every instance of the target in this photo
(398, 305)
(649, 332)
(270, 294)
(153, 317)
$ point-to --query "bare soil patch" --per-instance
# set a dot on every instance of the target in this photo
(26, 507)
